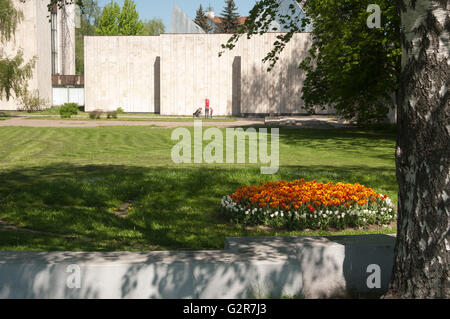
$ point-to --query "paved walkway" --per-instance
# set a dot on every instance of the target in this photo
(316, 121)
(24, 121)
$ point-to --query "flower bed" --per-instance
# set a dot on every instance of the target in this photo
(313, 205)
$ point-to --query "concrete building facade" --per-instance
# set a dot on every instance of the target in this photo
(173, 74)
(51, 42)
(122, 71)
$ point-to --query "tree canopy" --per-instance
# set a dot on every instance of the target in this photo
(119, 21)
(153, 27)
(229, 19)
(350, 66)
(202, 20)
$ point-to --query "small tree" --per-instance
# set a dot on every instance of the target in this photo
(202, 20)
(116, 21)
(129, 22)
(108, 22)
(229, 19)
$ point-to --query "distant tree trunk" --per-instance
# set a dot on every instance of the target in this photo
(421, 265)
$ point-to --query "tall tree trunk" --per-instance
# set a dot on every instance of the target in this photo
(421, 265)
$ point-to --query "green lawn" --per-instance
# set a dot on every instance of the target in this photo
(69, 181)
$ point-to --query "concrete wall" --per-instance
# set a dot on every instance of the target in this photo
(66, 39)
(34, 38)
(122, 72)
(313, 267)
(235, 83)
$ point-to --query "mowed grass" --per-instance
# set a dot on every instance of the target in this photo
(67, 183)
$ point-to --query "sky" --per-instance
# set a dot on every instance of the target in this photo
(149, 9)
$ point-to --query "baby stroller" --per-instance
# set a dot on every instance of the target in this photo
(197, 113)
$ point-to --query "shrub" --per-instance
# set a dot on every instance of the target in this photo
(301, 205)
(68, 109)
(31, 102)
(95, 114)
(111, 114)
(120, 110)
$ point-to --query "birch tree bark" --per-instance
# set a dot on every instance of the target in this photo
(421, 265)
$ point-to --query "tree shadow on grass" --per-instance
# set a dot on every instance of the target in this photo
(172, 208)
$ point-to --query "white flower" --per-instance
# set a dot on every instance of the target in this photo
(276, 213)
(282, 214)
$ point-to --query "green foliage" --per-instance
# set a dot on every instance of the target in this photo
(357, 71)
(9, 18)
(129, 22)
(120, 110)
(153, 27)
(95, 115)
(108, 22)
(229, 19)
(52, 110)
(68, 109)
(202, 20)
(111, 114)
(14, 74)
(30, 101)
(117, 21)
(62, 3)
(351, 67)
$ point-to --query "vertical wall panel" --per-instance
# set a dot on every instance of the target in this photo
(119, 72)
(122, 72)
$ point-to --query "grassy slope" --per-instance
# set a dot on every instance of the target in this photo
(70, 180)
